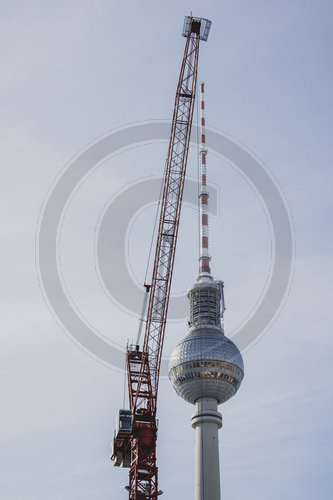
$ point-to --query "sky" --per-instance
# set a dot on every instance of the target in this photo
(74, 71)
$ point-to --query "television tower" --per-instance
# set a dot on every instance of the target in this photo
(206, 368)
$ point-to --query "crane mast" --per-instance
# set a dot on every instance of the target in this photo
(134, 444)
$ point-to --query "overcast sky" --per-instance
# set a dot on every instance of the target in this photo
(72, 71)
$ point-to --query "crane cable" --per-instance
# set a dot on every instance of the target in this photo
(147, 287)
(154, 229)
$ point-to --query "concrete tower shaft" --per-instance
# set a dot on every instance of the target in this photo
(207, 421)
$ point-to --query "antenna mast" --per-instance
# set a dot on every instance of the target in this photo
(204, 258)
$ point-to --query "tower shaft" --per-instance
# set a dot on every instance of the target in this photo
(207, 421)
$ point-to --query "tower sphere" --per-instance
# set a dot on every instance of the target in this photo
(206, 364)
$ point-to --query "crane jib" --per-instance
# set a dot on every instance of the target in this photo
(173, 186)
(136, 448)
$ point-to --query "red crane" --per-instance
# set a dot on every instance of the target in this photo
(134, 445)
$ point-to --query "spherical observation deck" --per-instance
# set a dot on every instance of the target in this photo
(206, 364)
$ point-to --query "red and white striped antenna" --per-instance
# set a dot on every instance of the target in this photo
(204, 258)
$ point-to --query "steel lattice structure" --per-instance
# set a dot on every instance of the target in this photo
(143, 366)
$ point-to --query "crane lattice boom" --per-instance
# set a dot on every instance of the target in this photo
(137, 448)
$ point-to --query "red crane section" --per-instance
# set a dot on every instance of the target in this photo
(136, 446)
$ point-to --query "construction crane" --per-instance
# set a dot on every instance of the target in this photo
(134, 444)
